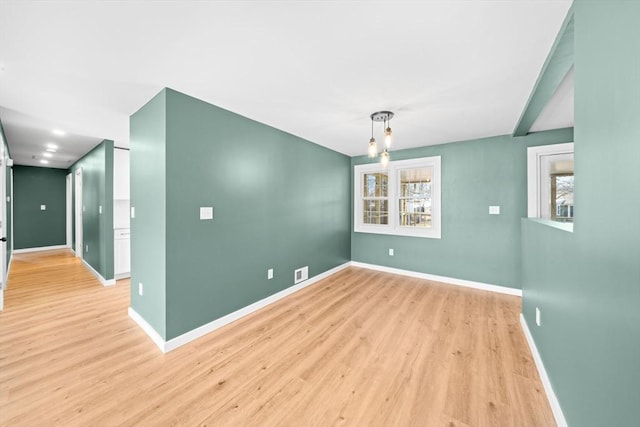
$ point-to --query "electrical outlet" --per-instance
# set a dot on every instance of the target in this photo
(494, 210)
(43, 207)
(538, 322)
(86, 248)
(100, 209)
(140, 289)
(391, 253)
(133, 212)
(270, 274)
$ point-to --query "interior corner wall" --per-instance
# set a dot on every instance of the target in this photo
(587, 283)
(279, 202)
(148, 200)
(474, 246)
(97, 198)
(34, 187)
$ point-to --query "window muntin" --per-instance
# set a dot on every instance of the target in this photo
(402, 199)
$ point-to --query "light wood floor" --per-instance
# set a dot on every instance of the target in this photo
(360, 348)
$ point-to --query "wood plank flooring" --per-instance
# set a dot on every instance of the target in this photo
(360, 348)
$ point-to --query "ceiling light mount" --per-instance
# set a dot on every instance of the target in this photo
(382, 116)
(385, 117)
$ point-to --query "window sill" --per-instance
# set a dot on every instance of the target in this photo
(564, 226)
(392, 232)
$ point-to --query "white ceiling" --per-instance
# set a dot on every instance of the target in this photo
(558, 113)
(450, 70)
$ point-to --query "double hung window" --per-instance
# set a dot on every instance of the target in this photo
(401, 199)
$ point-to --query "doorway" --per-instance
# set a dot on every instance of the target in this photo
(79, 211)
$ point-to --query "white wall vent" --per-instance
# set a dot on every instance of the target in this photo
(301, 274)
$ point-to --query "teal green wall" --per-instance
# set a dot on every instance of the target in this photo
(97, 190)
(35, 186)
(474, 246)
(148, 196)
(587, 283)
(279, 202)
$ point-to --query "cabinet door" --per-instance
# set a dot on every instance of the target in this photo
(122, 261)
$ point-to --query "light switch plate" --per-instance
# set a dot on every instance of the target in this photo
(391, 252)
(43, 207)
(270, 274)
(206, 212)
(133, 212)
(494, 210)
(100, 209)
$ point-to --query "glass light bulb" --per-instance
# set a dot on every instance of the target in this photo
(384, 158)
(373, 148)
(387, 138)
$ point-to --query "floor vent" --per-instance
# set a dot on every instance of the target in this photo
(301, 274)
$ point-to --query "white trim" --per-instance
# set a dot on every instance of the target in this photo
(69, 208)
(148, 329)
(393, 171)
(187, 337)
(8, 269)
(442, 279)
(41, 248)
(122, 276)
(105, 282)
(551, 395)
(534, 176)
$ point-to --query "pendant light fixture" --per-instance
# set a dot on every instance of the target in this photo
(385, 117)
(373, 147)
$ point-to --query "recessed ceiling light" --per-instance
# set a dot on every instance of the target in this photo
(47, 154)
(59, 132)
(44, 162)
(51, 146)
(51, 150)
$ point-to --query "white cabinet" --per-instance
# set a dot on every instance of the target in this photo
(122, 253)
(121, 174)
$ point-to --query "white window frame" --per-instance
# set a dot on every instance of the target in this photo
(393, 170)
(538, 177)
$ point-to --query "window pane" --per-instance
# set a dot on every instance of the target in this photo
(562, 197)
(415, 197)
(415, 212)
(375, 212)
(375, 185)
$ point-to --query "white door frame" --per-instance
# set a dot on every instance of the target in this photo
(69, 211)
(78, 194)
(3, 224)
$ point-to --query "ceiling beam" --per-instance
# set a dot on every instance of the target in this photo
(555, 68)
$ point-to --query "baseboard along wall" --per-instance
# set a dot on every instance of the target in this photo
(551, 395)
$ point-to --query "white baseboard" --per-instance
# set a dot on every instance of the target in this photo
(200, 331)
(551, 395)
(105, 282)
(148, 329)
(122, 276)
(443, 279)
(42, 248)
(9, 269)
